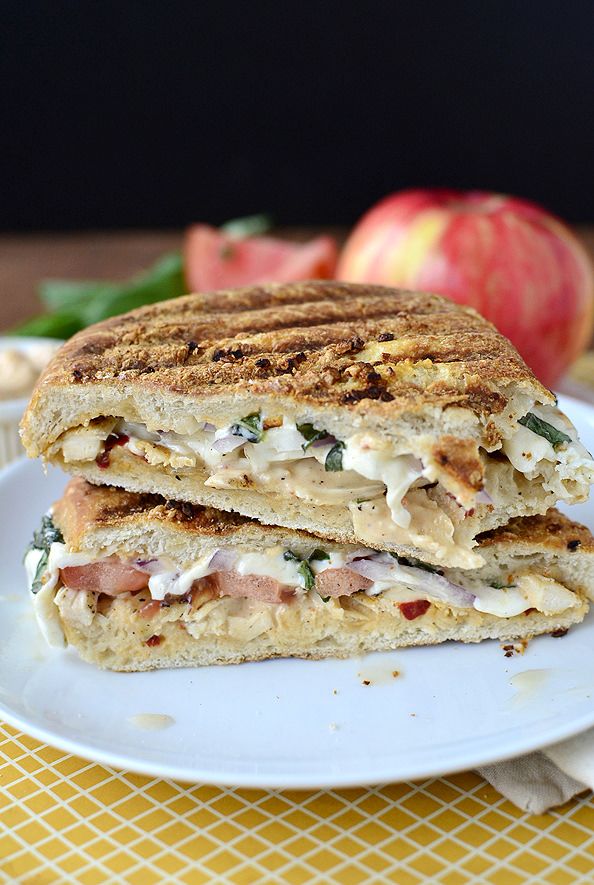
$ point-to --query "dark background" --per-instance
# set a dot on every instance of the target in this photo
(127, 113)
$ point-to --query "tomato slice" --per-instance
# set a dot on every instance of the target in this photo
(214, 260)
(109, 576)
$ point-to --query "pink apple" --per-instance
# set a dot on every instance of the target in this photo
(517, 264)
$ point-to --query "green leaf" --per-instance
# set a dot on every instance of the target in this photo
(304, 569)
(307, 575)
(36, 584)
(50, 325)
(333, 460)
(250, 226)
(325, 598)
(498, 585)
(311, 434)
(73, 305)
(163, 281)
(61, 294)
(411, 562)
(46, 535)
(543, 428)
(249, 427)
(318, 555)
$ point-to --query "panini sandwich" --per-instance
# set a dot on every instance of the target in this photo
(133, 582)
(368, 416)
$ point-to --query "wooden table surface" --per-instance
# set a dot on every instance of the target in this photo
(113, 255)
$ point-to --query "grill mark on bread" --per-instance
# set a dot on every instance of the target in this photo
(303, 340)
(84, 505)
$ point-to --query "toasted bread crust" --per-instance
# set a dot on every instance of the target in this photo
(460, 459)
(367, 349)
(85, 507)
(552, 531)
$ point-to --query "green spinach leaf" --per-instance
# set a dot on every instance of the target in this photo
(250, 428)
(333, 460)
(543, 428)
(308, 576)
(311, 434)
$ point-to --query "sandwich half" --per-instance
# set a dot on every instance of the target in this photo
(133, 582)
(365, 415)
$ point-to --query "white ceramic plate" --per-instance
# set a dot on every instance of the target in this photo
(288, 723)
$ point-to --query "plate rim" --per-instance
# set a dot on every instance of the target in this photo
(147, 768)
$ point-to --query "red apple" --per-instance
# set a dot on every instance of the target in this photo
(518, 265)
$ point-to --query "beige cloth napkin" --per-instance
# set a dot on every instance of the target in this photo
(543, 780)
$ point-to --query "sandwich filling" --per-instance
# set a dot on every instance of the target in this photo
(396, 494)
(250, 588)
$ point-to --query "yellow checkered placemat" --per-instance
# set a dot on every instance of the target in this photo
(66, 820)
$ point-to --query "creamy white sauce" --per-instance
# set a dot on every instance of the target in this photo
(430, 529)
(151, 721)
(20, 368)
(370, 456)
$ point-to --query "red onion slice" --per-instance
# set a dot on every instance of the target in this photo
(360, 553)
(432, 585)
(222, 561)
(227, 444)
(483, 497)
(324, 441)
(375, 571)
(148, 566)
(209, 428)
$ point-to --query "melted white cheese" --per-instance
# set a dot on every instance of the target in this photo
(178, 583)
(48, 617)
(526, 449)
(535, 456)
(279, 461)
(279, 458)
(272, 564)
(370, 456)
(527, 591)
